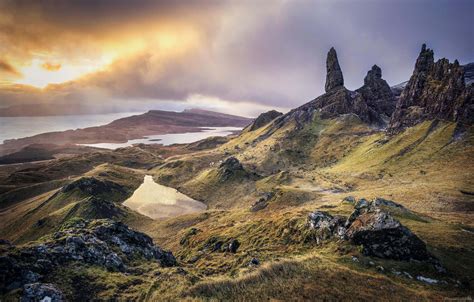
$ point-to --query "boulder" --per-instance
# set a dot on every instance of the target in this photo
(325, 225)
(230, 167)
(349, 199)
(262, 202)
(44, 292)
(233, 246)
(378, 232)
(383, 236)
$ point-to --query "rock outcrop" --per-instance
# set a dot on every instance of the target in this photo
(378, 232)
(469, 73)
(231, 168)
(436, 90)
(378, 95)
(326, 226)
(263, 119)
(42, 292)
(334, 77)
(373, 103)
(104, 243)
(93, 186)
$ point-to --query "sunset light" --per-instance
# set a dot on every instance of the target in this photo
(37, 75)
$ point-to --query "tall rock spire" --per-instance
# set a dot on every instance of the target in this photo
(334, 76)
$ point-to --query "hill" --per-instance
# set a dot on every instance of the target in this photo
(132, 127)
(329, 201)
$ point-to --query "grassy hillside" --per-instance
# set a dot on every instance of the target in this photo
(288, 171)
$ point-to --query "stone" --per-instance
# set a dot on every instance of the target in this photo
(44, 292)
(325, 225)
(436, 90)
(381, 202)
(378, 96)
(230, 167)
(369, 226)
(254, 262)
(101, 242)
(349, 199)
(383, 236)
(263, 119)
(262, 202)
(233, 246)
(334, 77)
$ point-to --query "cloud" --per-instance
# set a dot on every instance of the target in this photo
(7, 68)
(269, 53)
(51, 66)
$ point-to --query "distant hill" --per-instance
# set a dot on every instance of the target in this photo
(150, 123)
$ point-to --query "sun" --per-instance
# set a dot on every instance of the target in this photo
(39, 73)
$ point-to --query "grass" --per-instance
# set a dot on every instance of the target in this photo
(423, 168)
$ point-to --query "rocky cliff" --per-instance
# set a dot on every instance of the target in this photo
(373, 103)
(436, 90)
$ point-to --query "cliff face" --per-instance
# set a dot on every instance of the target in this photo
(436, 90)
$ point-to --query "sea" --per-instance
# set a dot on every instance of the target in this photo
(18, 127)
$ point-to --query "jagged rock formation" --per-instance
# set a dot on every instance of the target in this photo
(104, 243)
(334, 76)
(263, 119)
(377, 94)
(373, 103)
(378, 232)
(436, 90)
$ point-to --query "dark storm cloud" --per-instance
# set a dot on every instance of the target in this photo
(267, 52)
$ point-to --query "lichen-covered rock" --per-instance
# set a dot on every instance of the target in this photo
(378, 232)
(325, 225)
(383, 236)
(43, 292)
(104, 242)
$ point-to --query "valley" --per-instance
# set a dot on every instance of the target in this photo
(355, 195)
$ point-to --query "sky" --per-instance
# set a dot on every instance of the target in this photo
(242, 57)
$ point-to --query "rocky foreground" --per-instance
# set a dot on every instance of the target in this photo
(102, 243)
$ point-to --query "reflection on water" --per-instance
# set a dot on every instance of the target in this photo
(158, 201)
(172, 138)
